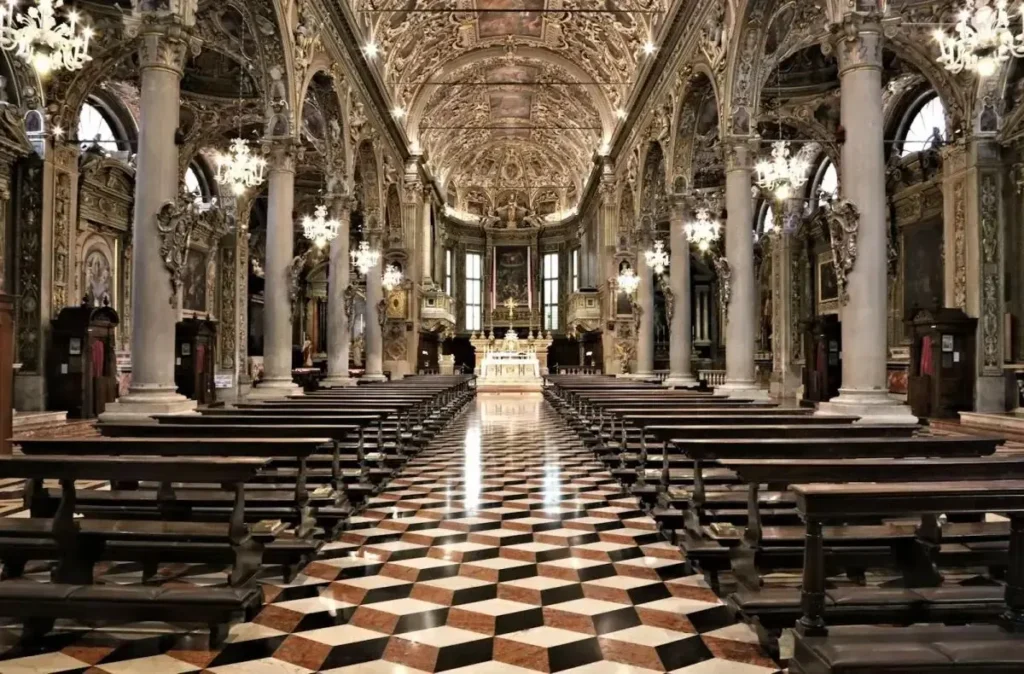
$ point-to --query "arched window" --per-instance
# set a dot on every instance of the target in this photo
(828, 182)
(926, 127)
(767, 220)
(94, 128)
(192, 183)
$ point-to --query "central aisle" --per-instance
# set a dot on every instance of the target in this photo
(506, 548)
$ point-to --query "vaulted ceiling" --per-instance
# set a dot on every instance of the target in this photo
(509, 97)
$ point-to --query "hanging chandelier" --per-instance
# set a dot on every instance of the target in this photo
(782, 174)
(657, 259)
(364, 258)
(36, 36)
(392, 277)
(240, 169)
(703, 230)
(318, 228)
(981, 38)
(628, 281)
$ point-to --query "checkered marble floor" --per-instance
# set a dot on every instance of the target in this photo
(504, 548)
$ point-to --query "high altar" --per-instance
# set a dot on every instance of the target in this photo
(511, 363)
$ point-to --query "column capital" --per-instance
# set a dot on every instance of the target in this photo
(341, 206)
(856, 41)
(282, 154)
(165, 33)
(740, 152)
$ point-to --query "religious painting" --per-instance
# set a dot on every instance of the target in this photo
(98, 283)
(193, 286)
(511, 74)
(515, 105)
(513, 276)
(922, 266)
(828, 284)
(523, 18)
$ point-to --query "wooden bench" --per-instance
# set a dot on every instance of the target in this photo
(976, 648)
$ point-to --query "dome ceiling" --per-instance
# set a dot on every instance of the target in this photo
(510, 96)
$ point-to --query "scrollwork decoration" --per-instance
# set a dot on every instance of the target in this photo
(724, 272)
(670, 297)
(175, 221)
(843, 225)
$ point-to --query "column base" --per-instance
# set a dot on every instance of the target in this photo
(139, 406)
(681, 381)
(372, 378)
(336, 381)
(272, 389)
(873, 407)
(742, 389)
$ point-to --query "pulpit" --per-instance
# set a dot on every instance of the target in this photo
(82, 371)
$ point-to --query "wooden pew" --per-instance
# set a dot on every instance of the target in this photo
(79, 543)
(976, 649)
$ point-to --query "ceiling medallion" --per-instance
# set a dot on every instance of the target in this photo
(318, 228)
(240, 169)
(657, 259)
(364, 258)
(702, 230)
(981, 38)
(782, 174)
(36, 36)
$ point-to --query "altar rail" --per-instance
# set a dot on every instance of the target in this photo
(712, 377)
(575, 369)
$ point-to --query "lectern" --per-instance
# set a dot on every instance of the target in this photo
(942, 352)
(82, 372)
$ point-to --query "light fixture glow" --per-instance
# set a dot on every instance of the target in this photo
(240, 169)
(620, 113)
(318, 228)
(657, 259)
(391, 278)
(364, 258)
(371, 49)
(37, 36)
(398, 112)
(628, 281)
(781, 174)
(702, 230)
(981, 38)
(649, 48)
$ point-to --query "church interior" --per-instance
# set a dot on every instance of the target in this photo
(511, 336)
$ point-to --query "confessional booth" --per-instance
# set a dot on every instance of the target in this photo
(942, 351)
(82, 371)
(823, 368)
(195, 360)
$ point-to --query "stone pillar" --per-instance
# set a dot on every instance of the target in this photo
(233, 312)
(339, 335)
(973, 189)
(277, 301)
(426, 241)
(606, 226)
(374, 336)
(859, 230)
(678, 298)
(164, 45)
(741, 311)
(786, 293)
(645, 330)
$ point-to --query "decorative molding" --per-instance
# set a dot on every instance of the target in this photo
(991, 271)
(724, 271)
(175, 222)
(843, 225)
(959, 246)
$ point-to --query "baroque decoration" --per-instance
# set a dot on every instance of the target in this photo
(176, 222)
(843, 224)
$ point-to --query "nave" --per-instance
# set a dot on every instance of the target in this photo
(503, 547)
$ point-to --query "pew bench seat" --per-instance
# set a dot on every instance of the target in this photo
(920, 649)
(770, 611)
(38, 605)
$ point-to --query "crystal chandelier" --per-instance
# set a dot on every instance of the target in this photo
(240, 169)
(782, 174)
(981, 39)
(36, 36)
(702, 231)
(364, 258)
(657, 259)
(628, 281)
(392, 277)
(318, 228)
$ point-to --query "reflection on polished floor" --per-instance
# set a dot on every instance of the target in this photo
(504, 548)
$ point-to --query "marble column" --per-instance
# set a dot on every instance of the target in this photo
(680, 332)
(741, 312)
(164, 44)
(606, 226)
(786, 296)
(374, 359)
(864, 389)
(277, 302)
(645, 330)
(339, 335)
(426, 241)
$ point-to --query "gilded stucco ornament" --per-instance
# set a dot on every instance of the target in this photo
(843, 225)
(176, 221)
(724, 272)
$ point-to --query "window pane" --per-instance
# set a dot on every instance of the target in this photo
(192, 182)
(93, 127)
(929, 122)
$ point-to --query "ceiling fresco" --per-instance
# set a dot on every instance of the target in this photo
(509, 94)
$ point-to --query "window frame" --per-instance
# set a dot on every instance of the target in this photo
(915, 111)
(448, 254)
(474, 288)
(576, 270)
(549, 290)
